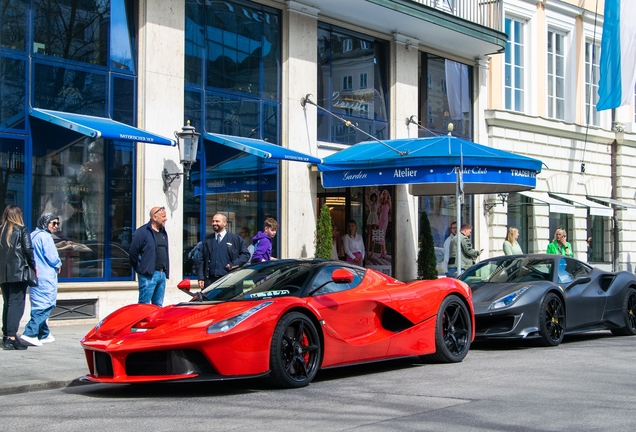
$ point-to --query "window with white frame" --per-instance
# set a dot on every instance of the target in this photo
(514, 75)
(364, 80)
(556, 75)
(347, 45)
(592, 56)
(347, 82)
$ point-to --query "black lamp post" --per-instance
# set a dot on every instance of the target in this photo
(188, 142)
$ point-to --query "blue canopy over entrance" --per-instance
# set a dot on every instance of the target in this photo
(97, 127)
(261, 148)
(429, 165)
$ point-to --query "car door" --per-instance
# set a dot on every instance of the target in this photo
(351, 324)
(584, 303)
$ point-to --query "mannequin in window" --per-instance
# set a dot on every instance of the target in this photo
(92, 179)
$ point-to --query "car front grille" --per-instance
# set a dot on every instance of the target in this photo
(486, 326)
(169, 362)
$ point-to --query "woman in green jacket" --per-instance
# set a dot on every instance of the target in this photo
(559, 246)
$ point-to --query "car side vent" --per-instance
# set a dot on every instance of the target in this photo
(172, 362)
(103, 364)
(394, 321)
(605, 282)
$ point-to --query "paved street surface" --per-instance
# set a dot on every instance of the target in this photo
(586, 384)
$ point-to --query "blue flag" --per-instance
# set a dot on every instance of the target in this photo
(618, 55)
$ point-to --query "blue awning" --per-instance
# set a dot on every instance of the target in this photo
(97, 127)
(428, 165)
(261, 148)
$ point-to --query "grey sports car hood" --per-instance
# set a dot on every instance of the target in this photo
(489, 292)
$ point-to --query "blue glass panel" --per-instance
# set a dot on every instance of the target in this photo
(123, 101)
(231, 116)
(194, 42)
(69, 90)
(13, 24)
(75, 30)
(121, 51)
(11, 172)
(12, 94)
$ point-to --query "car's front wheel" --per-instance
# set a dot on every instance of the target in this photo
(453, 331)
(295, 352)
(629, 315)
(551, 321)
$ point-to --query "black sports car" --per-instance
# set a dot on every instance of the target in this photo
(544, 297)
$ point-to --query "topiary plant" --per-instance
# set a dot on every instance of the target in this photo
(426, 261)
(323, 234)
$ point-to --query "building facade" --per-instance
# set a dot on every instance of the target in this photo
(542, 103)
(240, 68)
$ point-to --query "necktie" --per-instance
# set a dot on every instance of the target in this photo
(218, 238)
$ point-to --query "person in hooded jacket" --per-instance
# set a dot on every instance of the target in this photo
(16, 252)
(262, 241)
(44, 295)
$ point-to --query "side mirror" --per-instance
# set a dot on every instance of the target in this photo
(340, 276)
(579, 281)
(184, 286)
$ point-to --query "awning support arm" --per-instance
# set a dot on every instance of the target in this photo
(348, 123)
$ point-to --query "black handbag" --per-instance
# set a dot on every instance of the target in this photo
(29, 276)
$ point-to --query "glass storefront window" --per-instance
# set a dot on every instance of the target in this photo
(352, 83)
(88, 184)
(11, 172)
(599, 250)
(518, 218)
(445, 86)
(442, 212)
(69, 89)
(232, 74)
(72, 30)
(13, 25)
(12, 93)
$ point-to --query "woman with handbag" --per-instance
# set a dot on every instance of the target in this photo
(44, 295)
(16, 253)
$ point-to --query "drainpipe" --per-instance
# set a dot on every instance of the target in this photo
(616, 254)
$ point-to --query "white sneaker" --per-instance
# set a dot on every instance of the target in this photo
(48, 339)
(30, 340)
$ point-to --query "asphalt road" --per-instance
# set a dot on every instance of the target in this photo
(586, 384)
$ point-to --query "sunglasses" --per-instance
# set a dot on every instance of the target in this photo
(55, 223)
(158, 210)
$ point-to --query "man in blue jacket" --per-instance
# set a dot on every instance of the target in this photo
(149, 257)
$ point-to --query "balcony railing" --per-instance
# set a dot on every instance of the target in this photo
(484, 12)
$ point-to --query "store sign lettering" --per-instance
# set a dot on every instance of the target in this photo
(349, 176)
(407, 172)
(136, 138)
(474, 170)
(523, 173)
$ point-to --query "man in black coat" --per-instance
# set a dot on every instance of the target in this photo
(222, 252)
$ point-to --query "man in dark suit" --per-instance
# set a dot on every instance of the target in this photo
(222, 252)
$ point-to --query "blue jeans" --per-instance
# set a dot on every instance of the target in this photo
(37, 326)
(152, 289)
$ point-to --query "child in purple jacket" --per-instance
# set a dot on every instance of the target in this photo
(263, 241)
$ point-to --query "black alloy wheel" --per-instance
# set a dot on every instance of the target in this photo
(453, 331)
(295, 352)
(551, 321)
(629, 315)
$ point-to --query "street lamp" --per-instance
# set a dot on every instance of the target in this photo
(188, 141)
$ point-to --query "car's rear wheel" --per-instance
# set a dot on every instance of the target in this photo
(551, 321)
(453, 331)
(295, 352)
(629, 315)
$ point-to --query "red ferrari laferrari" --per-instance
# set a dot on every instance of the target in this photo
(283, 320)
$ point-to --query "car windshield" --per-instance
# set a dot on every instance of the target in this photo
(260, 281)
(509, 270)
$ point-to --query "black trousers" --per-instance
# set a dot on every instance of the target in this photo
(13, 295)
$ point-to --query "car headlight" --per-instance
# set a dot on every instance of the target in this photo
(227, 324)
(509, 299)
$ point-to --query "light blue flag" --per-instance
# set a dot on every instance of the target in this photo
(618, 55)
